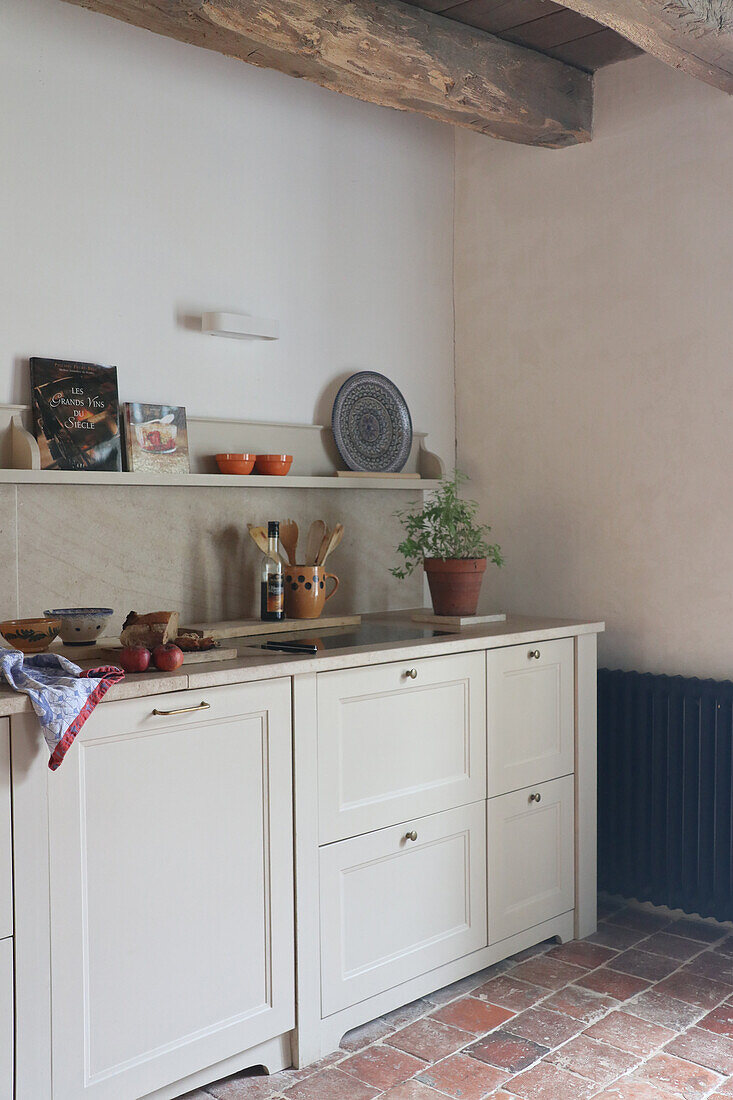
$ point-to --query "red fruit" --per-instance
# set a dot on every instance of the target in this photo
(167, 657)
(135, 658)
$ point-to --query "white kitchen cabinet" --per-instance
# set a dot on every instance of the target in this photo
(6, 845)
(531, 857)
(6, 1018)
(530, 714)
(399, 902)
(171, 893)
(399, 740)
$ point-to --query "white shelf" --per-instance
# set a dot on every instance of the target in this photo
(230, 481)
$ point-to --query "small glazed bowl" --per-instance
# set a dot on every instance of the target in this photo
(30, 635)
(235, 463)
(273, 465)
(81, 625)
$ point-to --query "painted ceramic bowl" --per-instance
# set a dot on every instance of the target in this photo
(235, 463)
(274, 465)
(30, 635)
(81, 625)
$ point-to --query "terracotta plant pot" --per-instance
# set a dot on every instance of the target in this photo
(455, 584)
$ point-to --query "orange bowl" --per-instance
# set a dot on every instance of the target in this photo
(274, 465)
(235, 464)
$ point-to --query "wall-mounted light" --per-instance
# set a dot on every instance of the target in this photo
(239, 326)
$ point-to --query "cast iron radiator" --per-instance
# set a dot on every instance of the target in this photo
(665, 783)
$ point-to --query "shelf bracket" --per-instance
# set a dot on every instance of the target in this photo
(24, 449)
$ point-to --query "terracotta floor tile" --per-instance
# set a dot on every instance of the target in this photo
(502, 1095)
(401, 1017)
(616, 937)
(472, 1014)
(362, 1036)
(507, 1051)
(680, 1080)
(631, 1088)
(699, 930)
(694, 989)
(467, 985)
(726, 1089)
(547, 972)
(248, 1087)
(598, 1062)
(672, 947)
(613, 983)
(704, 1047)
(411, 1090)
(582, 953)
(657, 1008)
(429, 1039)
(641, 920)
(642, 964)
(545, 1027)
(630, 1033)
(712, 965)
(720, 1020)
(463, 1077)
(581, 1004)
(510, 992)
(330, 1084)
(547, 1082)
(533, 951)
(726, 946)
(382, 1066)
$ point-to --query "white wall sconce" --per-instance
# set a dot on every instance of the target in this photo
(239, 326)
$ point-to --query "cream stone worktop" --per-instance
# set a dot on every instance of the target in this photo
(252, 663)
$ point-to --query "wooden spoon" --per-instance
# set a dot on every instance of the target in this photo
(336, 535)
(289, 539)
(259, 537)
(315, 538)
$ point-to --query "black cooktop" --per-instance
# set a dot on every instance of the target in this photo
(345, 637)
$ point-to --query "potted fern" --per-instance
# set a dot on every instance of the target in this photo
(452, 546)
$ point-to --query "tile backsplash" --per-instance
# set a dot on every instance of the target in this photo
(184, 547)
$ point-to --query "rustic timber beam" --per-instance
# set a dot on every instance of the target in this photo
(693, 35)
(388, 53)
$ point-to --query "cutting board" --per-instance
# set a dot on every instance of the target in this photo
(107, 651)
(244, 628)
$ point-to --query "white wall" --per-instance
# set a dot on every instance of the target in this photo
(143, 181)
(594, 323)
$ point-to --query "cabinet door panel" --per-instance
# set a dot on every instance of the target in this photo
(171, 890)
(531, 714)
(6, 857)
(7, 1022)
(393, 908)
(530, 843)
(391, 746)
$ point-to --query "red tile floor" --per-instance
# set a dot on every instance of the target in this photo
(642, 1010)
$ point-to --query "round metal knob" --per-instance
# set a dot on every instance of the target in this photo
(412, 673)
(412, 835)
(534, 653)
(535, 797)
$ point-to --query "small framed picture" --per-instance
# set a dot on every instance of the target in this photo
(156, 438)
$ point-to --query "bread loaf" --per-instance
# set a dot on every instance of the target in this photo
(155, 628)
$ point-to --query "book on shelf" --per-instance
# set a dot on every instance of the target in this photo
(156, 438)
(76, 415)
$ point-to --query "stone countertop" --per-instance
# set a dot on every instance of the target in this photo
(252, 663)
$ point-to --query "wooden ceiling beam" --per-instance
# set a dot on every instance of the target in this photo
(388, 53)
(693, 35)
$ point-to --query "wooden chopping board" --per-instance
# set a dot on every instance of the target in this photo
(244, 628)
(107, 651)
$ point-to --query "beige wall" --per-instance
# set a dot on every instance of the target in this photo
(594, 343)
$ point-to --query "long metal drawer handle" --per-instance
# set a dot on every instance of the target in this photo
(182, 710)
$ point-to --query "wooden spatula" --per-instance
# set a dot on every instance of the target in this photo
(335, 538)
(259, 537)
(315, 538)
(289, 539)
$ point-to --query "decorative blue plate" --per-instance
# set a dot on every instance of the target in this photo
(371, 424)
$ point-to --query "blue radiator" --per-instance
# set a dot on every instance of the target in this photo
(665, 783)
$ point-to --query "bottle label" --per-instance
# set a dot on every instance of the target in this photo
(275, 593)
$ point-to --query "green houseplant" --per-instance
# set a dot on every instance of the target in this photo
(443, 534)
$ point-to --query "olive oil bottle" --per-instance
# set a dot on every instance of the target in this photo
(271, 582)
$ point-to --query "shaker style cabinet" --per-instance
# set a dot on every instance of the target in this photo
(171, 893)
(7, 1008)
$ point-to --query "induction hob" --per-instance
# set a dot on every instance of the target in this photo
(347, 637)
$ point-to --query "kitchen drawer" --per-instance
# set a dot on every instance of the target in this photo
(393, 908)
(531, 857)
(6, 858)
(531, 714)
(7, 1023)
(393, 745)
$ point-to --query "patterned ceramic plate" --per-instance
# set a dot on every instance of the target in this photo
(371, 424)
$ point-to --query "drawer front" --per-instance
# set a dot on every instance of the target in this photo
(531, 714)
(531, 857)
(393, 746)
(393, 908)
(7, 1023)
(6, 858)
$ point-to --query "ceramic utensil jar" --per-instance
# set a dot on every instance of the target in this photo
(305, 590)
